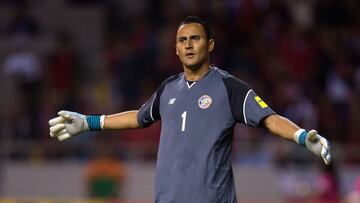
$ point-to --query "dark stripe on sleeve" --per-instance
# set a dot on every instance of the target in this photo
(237, 90)
(156, 104)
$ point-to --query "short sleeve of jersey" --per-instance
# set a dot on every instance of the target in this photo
(149, 112)
(246, 106)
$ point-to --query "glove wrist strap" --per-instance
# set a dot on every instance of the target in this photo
(94, 122)
(102, 121)
(300, 137)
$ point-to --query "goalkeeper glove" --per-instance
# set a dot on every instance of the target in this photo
(315, 143)
(69, 124)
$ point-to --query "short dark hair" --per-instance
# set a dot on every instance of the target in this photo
(195, 19)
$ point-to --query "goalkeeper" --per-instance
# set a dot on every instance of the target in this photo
(198, 109)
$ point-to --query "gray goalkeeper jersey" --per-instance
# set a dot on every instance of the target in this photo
(197, 121)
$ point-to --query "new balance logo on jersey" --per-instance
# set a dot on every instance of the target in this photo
(171, 101)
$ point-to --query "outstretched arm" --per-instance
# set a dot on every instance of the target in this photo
(124, 120)
(69, 124)
(281, 126)
(285, 128)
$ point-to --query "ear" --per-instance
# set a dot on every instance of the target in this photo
(211, 44)
(177, 52)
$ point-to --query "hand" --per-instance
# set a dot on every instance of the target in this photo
(67, 125)
(318, 145)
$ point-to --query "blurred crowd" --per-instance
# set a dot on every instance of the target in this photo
(301, 56)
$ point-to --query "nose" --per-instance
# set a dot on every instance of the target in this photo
(188, 45)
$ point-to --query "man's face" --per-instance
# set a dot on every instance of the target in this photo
(192, 46)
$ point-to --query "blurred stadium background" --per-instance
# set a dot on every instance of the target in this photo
(107, 56)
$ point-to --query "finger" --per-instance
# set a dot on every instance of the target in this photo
(324, 152)
(312, 135)
(326, 155)
(324, 142)
(64, 137)
(327, 159)
(63, 131)
(56, 128)
(56, 120)
(64, 114)
(56, 134)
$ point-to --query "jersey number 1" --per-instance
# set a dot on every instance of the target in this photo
(183, 124)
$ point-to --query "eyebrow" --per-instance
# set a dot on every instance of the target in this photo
(185, 37)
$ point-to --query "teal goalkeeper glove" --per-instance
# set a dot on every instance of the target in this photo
(315, 143)
(69, 124)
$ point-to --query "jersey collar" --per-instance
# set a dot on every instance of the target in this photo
(192, 83)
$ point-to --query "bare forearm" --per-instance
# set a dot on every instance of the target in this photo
(123, 120)
(281, 126)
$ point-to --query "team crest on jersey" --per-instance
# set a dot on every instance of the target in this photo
(204, 101)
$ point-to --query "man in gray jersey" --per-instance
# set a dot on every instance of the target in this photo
(198, 109)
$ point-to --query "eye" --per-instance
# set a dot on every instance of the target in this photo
(181, 39)
(197, 38)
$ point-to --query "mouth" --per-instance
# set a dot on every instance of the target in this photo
(189, 55)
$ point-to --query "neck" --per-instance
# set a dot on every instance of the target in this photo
(196, 74)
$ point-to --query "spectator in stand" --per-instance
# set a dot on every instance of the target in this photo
(62, 64)
(24, 66)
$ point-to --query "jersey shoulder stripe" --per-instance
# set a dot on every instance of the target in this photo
(237, 91)
(155, 112)
(244, 106)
